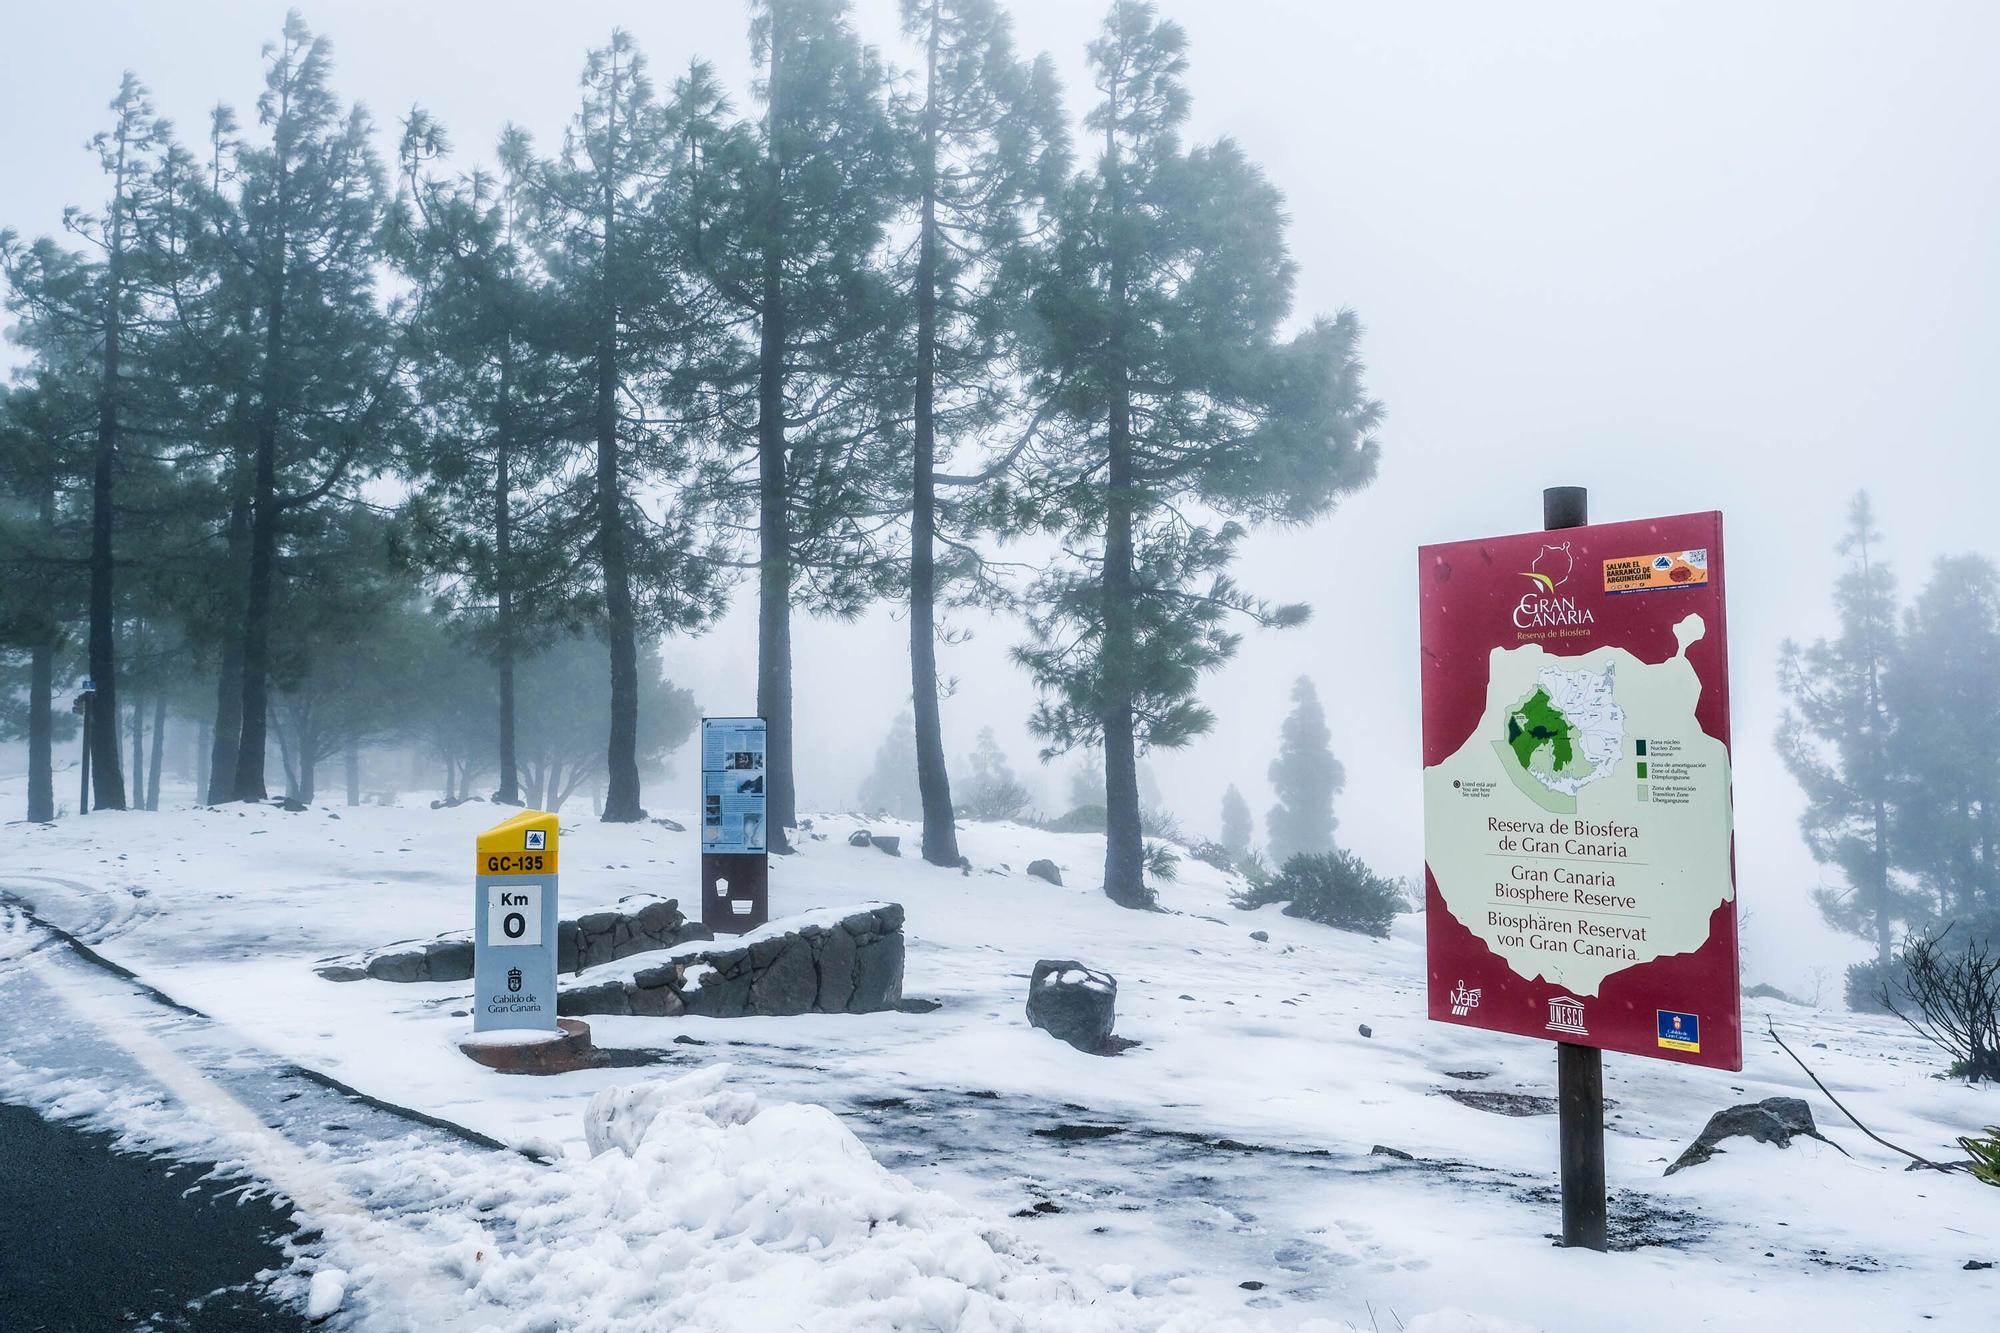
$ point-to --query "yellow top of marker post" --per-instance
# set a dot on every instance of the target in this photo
(524, 845)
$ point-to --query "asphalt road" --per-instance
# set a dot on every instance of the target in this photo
(93, 1239)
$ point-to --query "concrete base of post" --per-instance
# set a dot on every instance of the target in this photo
(518, 1051)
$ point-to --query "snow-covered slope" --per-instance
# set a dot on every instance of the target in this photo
(1221, 1170)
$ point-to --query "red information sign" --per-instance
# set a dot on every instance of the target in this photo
(1579, 870)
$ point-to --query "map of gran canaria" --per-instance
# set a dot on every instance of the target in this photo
(1568, 732)
(1582, 828)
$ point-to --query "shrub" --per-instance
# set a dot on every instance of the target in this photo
(1083, 819)
(1985, 1154)
(1951, 997)
(1865, 984)
(1211, 854)
(1869, 981)
(1163, 863)
(1333, 888)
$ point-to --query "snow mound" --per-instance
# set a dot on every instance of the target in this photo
(701, 1208)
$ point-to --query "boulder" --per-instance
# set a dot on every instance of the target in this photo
(1775, 1120)
(853, 965)
(859, 838)
(1072, 1002)
(891, 846)
(1046, 870)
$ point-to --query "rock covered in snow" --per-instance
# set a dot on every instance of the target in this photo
(1075, 1003)
(859, 838)
(850, 964)
(1774, 1120)
(1047, 870)
(325, 1294)
(888, 845)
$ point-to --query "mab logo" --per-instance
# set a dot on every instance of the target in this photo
(1463, 1001)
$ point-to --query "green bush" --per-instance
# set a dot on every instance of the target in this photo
(1333, 888)
(1083, 819)
(1211, 854)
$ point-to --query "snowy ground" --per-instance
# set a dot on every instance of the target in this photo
(1220, 1174)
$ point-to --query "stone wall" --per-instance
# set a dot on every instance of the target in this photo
(642, 924)
(852, 965)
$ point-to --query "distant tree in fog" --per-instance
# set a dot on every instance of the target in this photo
(1235, 837)
(891, 785)
(992, 791)
(1835, 738)
(1306, 777)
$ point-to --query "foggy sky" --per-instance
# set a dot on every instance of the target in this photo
(1689, 256)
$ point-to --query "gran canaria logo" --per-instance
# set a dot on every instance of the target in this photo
(1550, 570)
(1540, 609)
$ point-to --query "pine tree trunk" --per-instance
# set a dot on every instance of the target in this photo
(247, 784)
(41, 694)
(774, 570)
(940, 846)
(227, 732)
(255, 717)
(203, 760)
(159, 748)
(353, 773)
(509, 791)
(138, 754)
(41, 728)
(1124, 841)
(621, 804)
(107, 779)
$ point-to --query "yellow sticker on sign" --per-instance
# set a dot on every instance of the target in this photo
(1656, 573)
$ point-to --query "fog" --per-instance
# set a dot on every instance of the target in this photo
(1689, 256)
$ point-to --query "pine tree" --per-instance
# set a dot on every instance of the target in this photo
(891, 786)
(1179, 415)
(497, 395)
(1836, 738)
(988, 149)
(994, 793)
(1235, 824)
(607, 213)
(41, 429)
(298, 223)
(1086, 781)
(787, 217)
(1943, 691)
(106, 299)
(1306, 778)
(570, 685)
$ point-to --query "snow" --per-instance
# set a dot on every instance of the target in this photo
(328, 1290)
(838, 1172)
(513, 1037)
